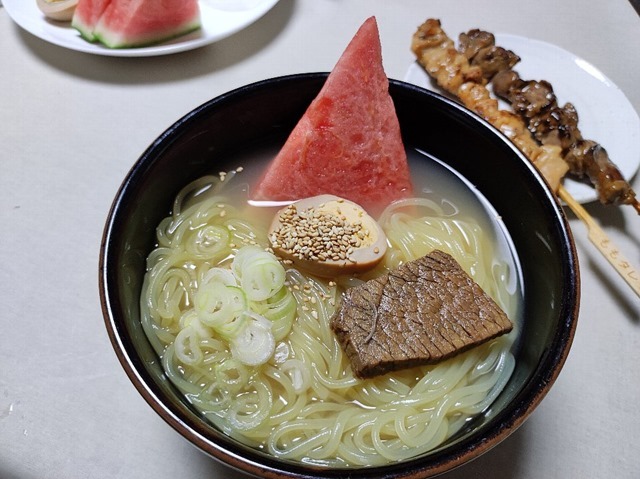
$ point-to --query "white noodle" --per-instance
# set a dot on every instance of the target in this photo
(305, 404)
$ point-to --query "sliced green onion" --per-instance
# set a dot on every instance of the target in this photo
(231, 375)
(260, 273)
(186, 346)
(219, 275)
(254, 344)
(263, 280)
(244, 255)
(219, 307)
(281, 310)
(190, 320)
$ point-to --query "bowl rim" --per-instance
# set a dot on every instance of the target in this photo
(251, 461)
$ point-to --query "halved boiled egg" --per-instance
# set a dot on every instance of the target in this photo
(327, 236)
(61, 10)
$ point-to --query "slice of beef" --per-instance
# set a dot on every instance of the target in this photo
(423, 312)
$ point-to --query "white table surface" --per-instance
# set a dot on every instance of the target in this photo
(72, 124)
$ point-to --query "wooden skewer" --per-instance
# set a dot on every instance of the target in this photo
(601, 241)
(452, 73)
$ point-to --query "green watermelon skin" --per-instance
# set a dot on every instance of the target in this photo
(348, 142)
(135, 23)
(86, 16)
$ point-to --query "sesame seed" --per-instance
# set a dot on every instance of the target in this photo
(316, 235)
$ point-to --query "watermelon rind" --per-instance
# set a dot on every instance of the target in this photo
(135, 23)
(117, 40)
(86, 15)
(86, 31)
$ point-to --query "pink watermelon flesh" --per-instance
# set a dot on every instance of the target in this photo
(135, 23)
(86, 16)
(348, 142)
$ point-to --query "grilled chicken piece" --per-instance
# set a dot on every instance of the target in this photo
(592, 159)
(546, 158)
(480, 49)
(435, 51)
(537, 105)
(473, 41)
(437, 54)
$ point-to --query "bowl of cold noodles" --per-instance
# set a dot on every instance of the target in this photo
(406, 363)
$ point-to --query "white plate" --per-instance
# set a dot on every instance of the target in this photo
(606, 116)
(220, 19)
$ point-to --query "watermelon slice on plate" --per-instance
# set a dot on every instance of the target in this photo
(86, 16)
(135, 23)
(348, 142)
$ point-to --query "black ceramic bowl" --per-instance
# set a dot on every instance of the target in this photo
(264, 113)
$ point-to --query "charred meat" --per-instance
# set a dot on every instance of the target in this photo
(464, 72)
(592, 159)
(551, 124)
(481, 50)
(452, 71)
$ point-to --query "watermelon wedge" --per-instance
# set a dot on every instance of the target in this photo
(135, 23)
(86, 16)
(348, 142)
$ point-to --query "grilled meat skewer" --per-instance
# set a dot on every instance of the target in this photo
(546, 158)
(481, 51)
(536, 103)
(452, 71)
(437, 54)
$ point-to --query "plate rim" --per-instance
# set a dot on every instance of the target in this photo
(16, 8)
(582, 192)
